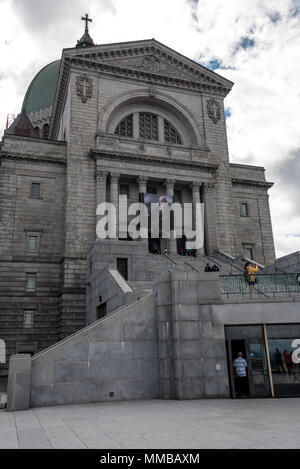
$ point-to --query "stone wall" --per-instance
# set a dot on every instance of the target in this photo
(24, 161)
(113, 359)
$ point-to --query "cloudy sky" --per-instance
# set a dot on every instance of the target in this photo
(254, 43)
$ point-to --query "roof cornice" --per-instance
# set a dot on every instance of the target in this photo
(252, 183)
(31, 158)
(150, 160)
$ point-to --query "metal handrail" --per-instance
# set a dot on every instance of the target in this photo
(270, 283)
(170, 258)
(192, 267)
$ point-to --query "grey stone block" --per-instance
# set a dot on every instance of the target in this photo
(213, 348)
(141, 350)
(190, 330)
(73, 373)
(183, 312)
(109, 350)
(188, 349)
(189, 389)
(78, 351)
(40, 395)
(146, 389)
(42, 372)
(96, 392)
(166, 369)
(19, 380)
(118, 370)
(149, 369)
(192, 368)
(142, 331)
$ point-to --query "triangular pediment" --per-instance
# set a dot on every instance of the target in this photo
(150, 56)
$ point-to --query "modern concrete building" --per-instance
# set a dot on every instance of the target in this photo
(131, 118)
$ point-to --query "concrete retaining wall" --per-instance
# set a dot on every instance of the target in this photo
(113, 359)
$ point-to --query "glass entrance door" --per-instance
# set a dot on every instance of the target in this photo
(247, 362)
(257, 368)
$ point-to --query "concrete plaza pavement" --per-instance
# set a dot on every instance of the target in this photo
(218, 423)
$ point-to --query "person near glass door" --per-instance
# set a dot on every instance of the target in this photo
(240, 369)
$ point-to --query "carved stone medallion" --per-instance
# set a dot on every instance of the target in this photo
(84, 87)
(214, 110)
(151, 63)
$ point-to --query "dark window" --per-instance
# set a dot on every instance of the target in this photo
(31, 282)
(101, 311)
(244, 210)
(177, 196)
(249, 253)
(151, 190)
(171, 134)
(122, 267)
(36, 190)
(32, 243)
(125, 128)
(46, 128)
(28, 317)
(124, 189)
(148, 126)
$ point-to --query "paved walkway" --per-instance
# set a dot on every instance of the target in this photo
(268, 423)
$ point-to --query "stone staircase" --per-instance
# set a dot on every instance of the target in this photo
(142, 286)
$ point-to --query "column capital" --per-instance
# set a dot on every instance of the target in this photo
(114, 177)
(170, 182)
(209, 186)
(196, 186)
(101, 175)
(143, 179)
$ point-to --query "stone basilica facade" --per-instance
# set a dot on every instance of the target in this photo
(127, 118)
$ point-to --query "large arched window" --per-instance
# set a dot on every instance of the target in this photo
(125, 128)
(171, 134)
(148, 126)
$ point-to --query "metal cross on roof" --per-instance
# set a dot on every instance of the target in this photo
(86, 19)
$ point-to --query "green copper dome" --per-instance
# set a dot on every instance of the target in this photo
(41, 91)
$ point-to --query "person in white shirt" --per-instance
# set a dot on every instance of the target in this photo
(240, 368)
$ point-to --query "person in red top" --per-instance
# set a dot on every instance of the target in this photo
(288, 361)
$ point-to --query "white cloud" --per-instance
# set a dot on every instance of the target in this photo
(264, 127)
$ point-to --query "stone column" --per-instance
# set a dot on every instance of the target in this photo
(196, 200)
(172, 244)
(210, 226)
(101, 177)
(142, 180)
(114, 196)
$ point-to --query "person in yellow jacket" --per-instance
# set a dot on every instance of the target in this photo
(251, 271)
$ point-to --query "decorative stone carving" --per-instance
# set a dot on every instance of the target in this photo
(114, 177)
(169, 151)
(101, 175)
(110, 142)
(141, 147)
(151, 63)
(143, 179)
(170, 183)
(214, 110)
(84, 87)
(196, 186)
(209, 186)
